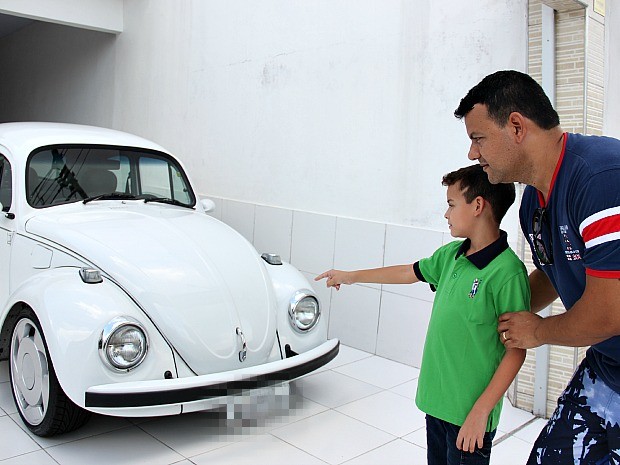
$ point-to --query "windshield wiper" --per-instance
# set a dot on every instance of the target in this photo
(168, 200)
(110, 196)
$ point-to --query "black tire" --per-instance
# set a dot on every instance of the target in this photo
(42, 404)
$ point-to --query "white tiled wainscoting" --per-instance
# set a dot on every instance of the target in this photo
(386, 320)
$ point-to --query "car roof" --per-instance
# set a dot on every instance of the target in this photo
(22, 138)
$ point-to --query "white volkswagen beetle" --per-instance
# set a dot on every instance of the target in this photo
(119, 295)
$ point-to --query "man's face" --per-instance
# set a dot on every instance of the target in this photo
(491, 145)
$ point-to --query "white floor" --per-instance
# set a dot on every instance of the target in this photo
(357, 410)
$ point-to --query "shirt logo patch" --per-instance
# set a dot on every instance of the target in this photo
(474, 288)
(571, 253)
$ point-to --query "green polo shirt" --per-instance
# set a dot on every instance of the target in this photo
(462, 348)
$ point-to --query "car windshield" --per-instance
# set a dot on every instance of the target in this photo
(65, 174)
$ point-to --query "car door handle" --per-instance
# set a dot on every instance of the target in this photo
(244, 346)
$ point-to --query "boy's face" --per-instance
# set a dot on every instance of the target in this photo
(460, 214)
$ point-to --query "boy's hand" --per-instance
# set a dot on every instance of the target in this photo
(335, 278)
(471, 434)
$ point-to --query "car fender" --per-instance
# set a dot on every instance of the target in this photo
(72, 315)
(287, 280)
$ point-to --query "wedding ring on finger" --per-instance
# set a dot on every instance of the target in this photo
(504, 335)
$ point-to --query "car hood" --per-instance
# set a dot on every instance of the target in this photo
(196, 278)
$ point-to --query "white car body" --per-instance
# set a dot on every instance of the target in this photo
(216, 316)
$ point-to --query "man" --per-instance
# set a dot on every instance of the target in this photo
(570, 214)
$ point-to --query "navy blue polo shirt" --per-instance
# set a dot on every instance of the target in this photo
(582, 229)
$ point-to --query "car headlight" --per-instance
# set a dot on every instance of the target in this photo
(123, 344)
(304, 311)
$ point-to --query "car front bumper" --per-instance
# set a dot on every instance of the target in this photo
(144, 395)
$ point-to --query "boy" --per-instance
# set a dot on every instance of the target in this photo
(465, 368)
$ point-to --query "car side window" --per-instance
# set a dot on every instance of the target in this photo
(6, 184)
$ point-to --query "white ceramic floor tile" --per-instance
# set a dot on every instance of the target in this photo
(530, 432)
(299, 408)
(6, 399)
(201, 432)
(127, 446)
(387, 411)
(407, 389)
(333, 389)
(373, 398)
(380, 372)
(512, 451)
(256, 450)
(345, 356)
(98, 424)
(14, 441)
(397, 452)
(317, 436)
(4, 371)
(193, 433)
(417, 437)
(512, 417)
(39, 457)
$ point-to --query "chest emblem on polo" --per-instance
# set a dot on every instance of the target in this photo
(474, 288)
(571, 253)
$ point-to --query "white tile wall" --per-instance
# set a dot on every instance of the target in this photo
(354, 316)
(405, 245)
(272, 231)
(240, 216)
(402, 328)
(359, 244)
(388, 320)
(313, 240)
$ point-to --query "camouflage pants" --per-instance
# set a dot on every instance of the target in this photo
(585, 427)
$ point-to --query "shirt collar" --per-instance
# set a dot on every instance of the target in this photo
(485, 256)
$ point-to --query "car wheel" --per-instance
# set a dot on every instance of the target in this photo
(41, 402)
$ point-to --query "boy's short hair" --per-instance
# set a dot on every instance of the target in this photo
(474, 182)
(506, 91)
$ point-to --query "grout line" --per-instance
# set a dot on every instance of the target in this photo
(516, 430)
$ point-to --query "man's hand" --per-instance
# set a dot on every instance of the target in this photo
(518, 330)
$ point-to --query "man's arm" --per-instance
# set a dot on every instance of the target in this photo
(543, 292)
(594, 318)
(472, 432)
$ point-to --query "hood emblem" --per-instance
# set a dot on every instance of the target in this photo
(244, 347)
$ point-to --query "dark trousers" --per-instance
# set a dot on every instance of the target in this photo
(441, 445)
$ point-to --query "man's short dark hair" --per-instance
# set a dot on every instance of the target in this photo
(474, 182)
(505, 92)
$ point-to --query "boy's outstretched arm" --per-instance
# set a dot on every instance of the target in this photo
(471, 434)
(399, 274)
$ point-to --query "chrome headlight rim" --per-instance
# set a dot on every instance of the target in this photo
(294, 302)
(112, 328)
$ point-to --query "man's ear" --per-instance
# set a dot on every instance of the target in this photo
(518, 125)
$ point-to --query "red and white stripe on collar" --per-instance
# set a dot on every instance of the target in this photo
(601, 227)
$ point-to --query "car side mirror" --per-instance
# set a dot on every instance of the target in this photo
(208, 205)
